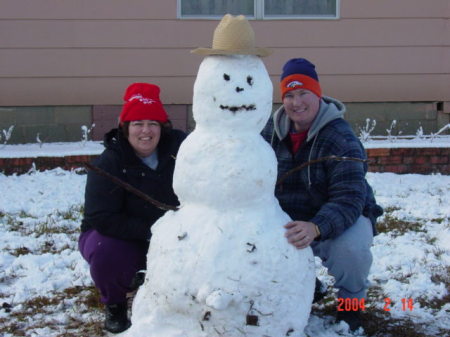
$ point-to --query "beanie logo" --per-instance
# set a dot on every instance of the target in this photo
(294, 84)
(142, 99)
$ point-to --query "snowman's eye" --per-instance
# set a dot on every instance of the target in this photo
(226, 77)
(250, 80)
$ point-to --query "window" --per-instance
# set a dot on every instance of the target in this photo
(274, 9)
(215, 8)
(259, 9)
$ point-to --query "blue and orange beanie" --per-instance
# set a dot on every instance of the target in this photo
(299, 73)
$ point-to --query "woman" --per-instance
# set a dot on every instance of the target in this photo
(116, 225)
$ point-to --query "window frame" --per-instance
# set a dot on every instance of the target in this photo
(260, 15)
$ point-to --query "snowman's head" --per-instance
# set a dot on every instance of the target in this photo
(232, 92)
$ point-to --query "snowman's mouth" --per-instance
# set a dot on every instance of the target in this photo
(234, 108)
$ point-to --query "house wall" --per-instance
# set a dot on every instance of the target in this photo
(84, 53)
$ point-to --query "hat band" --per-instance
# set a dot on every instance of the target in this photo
(299, 81)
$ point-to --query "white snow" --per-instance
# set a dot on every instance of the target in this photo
(394, 142)
(40, 216)
(35, 213)
(34, 150)
(404, 264)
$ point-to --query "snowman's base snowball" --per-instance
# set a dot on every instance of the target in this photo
(229, 275)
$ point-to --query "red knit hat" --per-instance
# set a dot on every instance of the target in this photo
(142, 102)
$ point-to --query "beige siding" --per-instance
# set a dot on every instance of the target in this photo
(166, 9)
(87, 51)
(190, 33)
(88, 9)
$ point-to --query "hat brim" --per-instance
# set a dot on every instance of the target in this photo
(262, 52)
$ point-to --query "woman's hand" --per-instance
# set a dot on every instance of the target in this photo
(300, 233)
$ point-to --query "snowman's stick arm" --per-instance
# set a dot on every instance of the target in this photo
(132, 189)
(315, 161)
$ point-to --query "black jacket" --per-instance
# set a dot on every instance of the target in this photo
(115, 212)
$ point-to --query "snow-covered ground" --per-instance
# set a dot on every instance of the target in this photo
(34, 150)
(43, 278)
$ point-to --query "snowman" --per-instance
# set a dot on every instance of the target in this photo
(220, 265)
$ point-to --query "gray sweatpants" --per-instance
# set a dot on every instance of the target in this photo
(348, 258)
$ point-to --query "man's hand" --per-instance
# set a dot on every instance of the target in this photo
(300, 233)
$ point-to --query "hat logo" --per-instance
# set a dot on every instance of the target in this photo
(294, 84)
(142, 99)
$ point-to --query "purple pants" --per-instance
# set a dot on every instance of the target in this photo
(113, 263)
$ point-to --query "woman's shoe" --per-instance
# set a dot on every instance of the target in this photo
(116, 317)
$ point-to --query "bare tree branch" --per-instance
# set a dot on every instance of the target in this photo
(132, 189)
(298, 168)
(166, 207)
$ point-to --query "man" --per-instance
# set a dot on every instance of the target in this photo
(332, 205)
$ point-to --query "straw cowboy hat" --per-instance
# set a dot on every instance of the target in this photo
(233, 35)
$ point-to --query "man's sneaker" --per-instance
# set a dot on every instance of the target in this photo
(319, 291)
(352, 318)
(116, 318)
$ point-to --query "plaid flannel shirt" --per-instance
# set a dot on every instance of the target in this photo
(332, 194)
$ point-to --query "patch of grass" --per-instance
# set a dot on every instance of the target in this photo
(379, 324)
(52, 224)
(48, 247)
(15, 328)
(20, 251)
(88, 296)
(438, 220)
(39, 304)
(22, 318)
(51, 227)
(396, 227)
(442, 277)
(7, 279)
(435, 303)
(376, 321)
(13, 223)
(389, 210)
(75, 213)
(20, 322)
(24, 214)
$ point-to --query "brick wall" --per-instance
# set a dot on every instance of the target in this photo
(23, 165)
(396, 160)
(410, 160)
